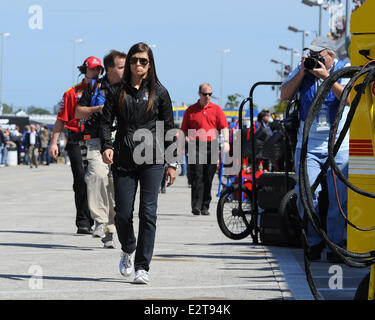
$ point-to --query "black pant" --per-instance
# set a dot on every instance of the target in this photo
(83, 217)
(201, 176)
(126, 185)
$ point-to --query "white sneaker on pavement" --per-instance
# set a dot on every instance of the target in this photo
(127, 263)
(141, 277)
(99, 231)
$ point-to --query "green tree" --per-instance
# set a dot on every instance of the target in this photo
(232, 102)
(281, 107)
(7, 109)
(36, 110)
(56, 107)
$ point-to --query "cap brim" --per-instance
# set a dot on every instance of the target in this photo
(96, 67)
(314, 48)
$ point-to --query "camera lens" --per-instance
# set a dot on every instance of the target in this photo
(310, 63)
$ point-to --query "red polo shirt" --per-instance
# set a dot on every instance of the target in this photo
(206, 118)
(68, 107)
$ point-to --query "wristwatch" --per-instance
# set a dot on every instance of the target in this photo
(173, 165)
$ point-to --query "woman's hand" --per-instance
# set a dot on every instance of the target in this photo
(108, 156)
(171, 174)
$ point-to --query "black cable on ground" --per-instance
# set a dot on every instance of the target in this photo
(306, 190)
(307, 196)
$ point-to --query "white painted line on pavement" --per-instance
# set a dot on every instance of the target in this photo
(343, 289)
(258, 285)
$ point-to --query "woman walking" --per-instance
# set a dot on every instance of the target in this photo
(140, 103)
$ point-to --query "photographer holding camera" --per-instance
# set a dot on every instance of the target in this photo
(304, 81)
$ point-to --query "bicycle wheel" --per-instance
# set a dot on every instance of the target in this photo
(290, 219)
(230, 217)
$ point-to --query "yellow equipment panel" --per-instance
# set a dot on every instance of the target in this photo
(361, 209)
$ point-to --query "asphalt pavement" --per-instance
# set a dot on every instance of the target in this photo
(42, 257)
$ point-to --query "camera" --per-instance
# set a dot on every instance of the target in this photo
(312, 61)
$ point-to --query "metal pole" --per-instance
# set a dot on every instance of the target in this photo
(221, 78)
(74, 62)
(303, 42)
(75, 41)
(320, 20)
(291, 59)
(2, 35)
(347, 18)
(1, 74)
(281, 80)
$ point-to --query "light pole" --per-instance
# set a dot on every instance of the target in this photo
(292, 51)
(293, 29)
(281, 75)
(2, 35)
(317, 3)
(222, 51)
(74, 41)
(347, 23)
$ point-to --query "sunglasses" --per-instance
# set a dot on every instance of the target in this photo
(142, 61)
(206, 94)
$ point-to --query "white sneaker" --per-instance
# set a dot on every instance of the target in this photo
(99, 231)
(127, 263)
(141, 277)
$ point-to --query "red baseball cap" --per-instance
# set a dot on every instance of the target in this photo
(93, 62)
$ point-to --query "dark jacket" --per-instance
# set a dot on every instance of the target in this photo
(106, 89)
(2, 138)
(133, 117)
(27, 140)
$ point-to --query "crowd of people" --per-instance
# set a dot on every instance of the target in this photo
(103, 115)
(31, 145)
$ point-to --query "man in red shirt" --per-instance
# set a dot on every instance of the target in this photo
(91, 68)
(201, 124)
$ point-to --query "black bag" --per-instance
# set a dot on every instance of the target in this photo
(272, 187)
(260, 136)
(274, 147)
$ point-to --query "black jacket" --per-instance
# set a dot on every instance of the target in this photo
(106, 89)
(27, 140)
(2, 138)
(133, 117)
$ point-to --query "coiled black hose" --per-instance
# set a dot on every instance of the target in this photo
(306, 191)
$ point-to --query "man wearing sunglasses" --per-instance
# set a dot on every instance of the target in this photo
(305, 81)
(100, 192)
(201, 124)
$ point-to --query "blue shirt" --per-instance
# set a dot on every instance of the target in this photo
(318, 136)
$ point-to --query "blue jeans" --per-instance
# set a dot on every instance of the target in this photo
(3, 155)
(126, 185)
(335, 221)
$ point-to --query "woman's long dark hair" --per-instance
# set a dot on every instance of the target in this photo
(151, 75)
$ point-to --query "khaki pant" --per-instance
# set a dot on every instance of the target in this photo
(100, 191)
(33, 155)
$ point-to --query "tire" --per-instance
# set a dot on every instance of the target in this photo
(229, 217)
(290, 219)
(362, 290)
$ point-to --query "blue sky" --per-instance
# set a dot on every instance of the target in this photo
(38, 63)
